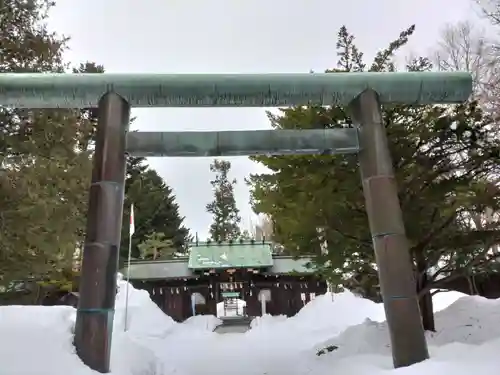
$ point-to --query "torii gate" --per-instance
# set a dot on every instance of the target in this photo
(114, 94)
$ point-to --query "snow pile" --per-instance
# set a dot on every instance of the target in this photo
(335, 311)
(280, 345)
(325, 316)
(144, 317)
(23, 340)
(203, 323)
(264, 322)
(39, 340)
(457, 359)
(442, 300)
(469, 320)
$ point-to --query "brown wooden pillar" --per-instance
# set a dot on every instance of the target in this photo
(187, 307)
(396, 275)
(297, 302)
(94, 320)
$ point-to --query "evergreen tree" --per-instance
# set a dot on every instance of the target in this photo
(155, 211)
(226, 217)
(45, 155)
(246, 235)
(156, 247)
(442, 157)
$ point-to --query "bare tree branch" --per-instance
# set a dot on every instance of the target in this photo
(463, 47)
(491, 10)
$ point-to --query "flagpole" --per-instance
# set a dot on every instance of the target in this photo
(131, 232)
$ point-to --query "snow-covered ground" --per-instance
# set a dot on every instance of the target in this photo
(38, 340)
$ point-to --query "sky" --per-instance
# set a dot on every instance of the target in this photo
(231, 36)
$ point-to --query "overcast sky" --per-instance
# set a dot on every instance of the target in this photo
(233, 36)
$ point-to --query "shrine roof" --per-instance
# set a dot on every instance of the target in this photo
(154, 269)
(179, 268)
(216, 255)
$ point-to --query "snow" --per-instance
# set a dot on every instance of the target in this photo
(144, 317)
(38, 340)
(198, 323)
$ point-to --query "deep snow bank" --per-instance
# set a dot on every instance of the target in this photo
(277, 345)
(38, 340)
(327, 315)
(156, 345)
(469, 320)
(322, 318)
(202, 323)
(457, 359)
(144, 317)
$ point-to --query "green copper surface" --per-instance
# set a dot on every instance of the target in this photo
(221, 256)
(230, 90)
(236, 143)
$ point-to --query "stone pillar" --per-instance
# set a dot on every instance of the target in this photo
(94, 320)
(397, 280)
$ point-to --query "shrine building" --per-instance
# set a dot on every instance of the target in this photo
(227, 272)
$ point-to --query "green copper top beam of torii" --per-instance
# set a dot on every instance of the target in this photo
(64, 90)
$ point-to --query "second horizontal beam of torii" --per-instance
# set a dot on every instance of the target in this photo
(243, 142)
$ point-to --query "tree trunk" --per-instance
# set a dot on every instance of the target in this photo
(38, 299)
(424, 301)
(426, 312)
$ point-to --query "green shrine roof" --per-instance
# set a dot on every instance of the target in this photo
(207, 255)
(178, 268)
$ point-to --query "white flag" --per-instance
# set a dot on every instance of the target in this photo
(132, 225)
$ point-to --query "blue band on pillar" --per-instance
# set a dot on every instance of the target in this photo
(98, 311)
(399, 297)
(385, 234)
